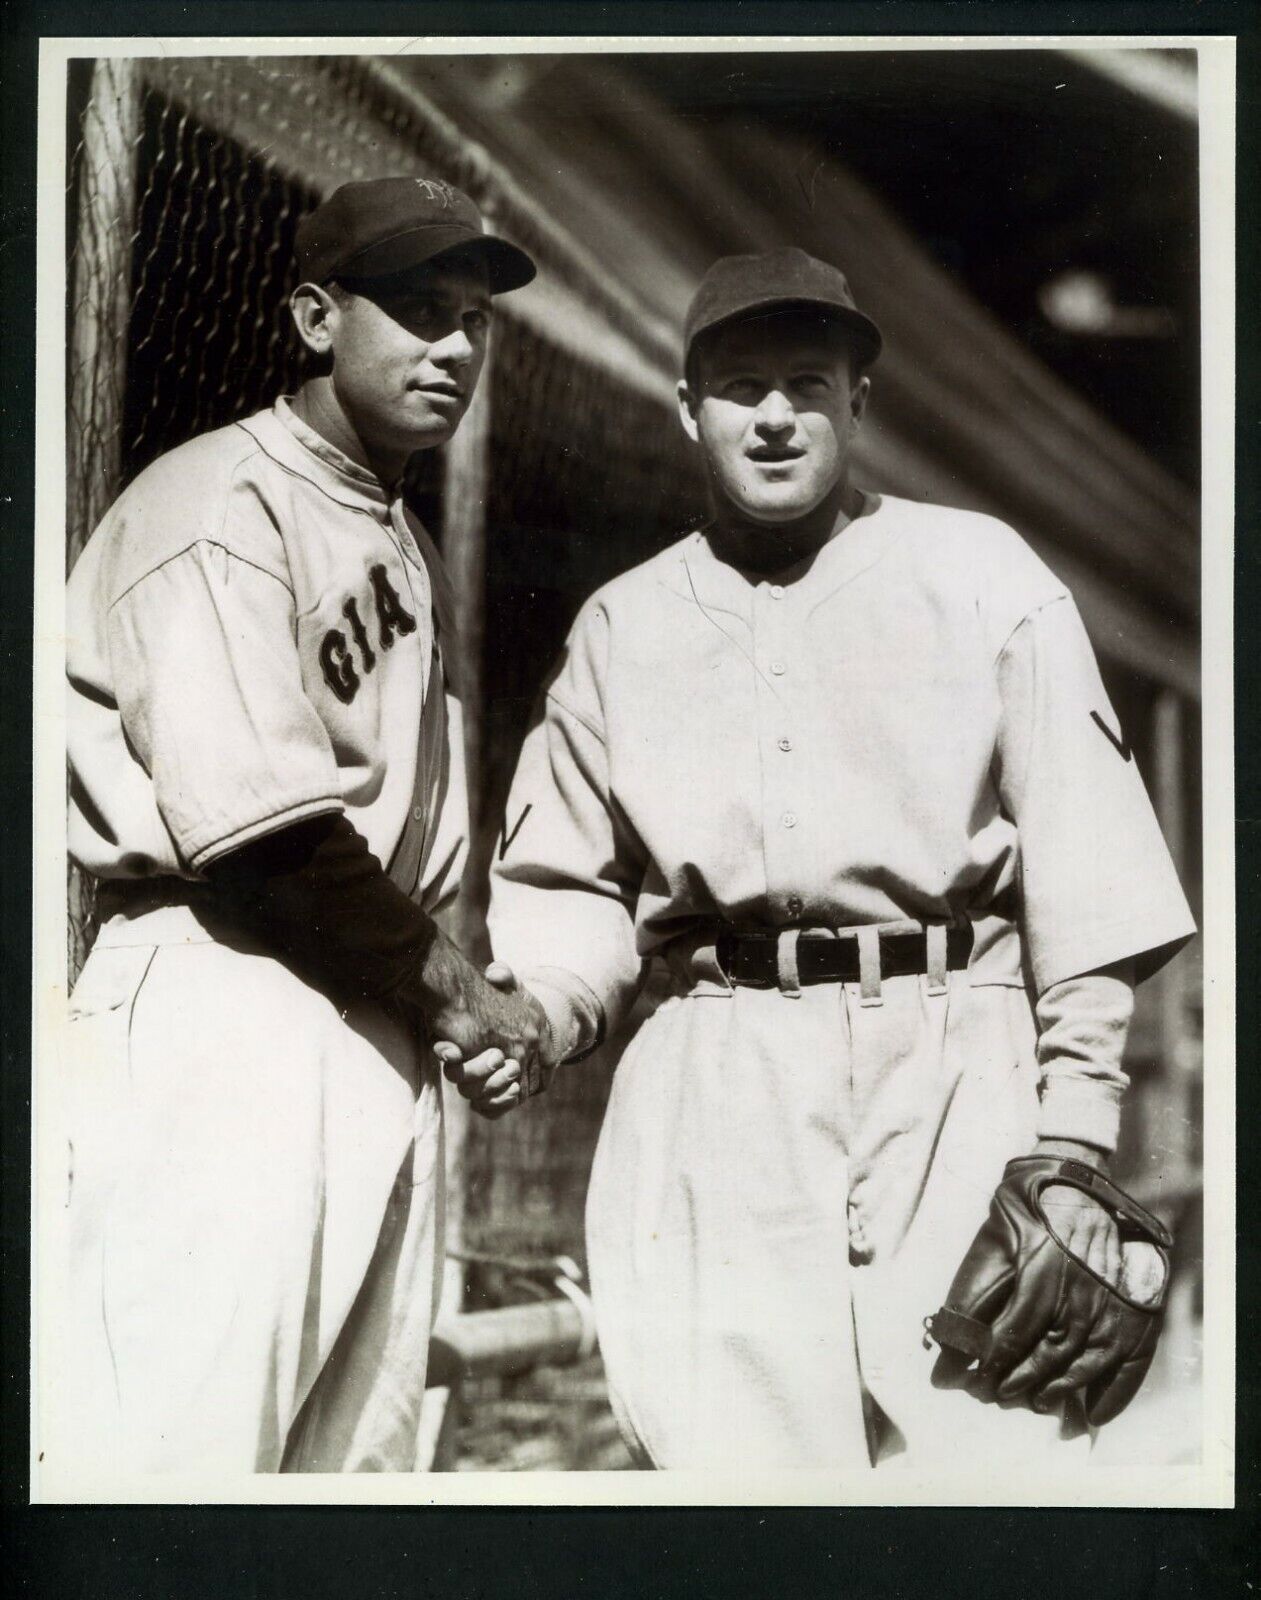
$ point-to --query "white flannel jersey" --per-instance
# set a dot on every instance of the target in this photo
(249, 643)
(910, 725)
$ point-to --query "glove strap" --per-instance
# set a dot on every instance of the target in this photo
(954, 1331)
(1040, 1172)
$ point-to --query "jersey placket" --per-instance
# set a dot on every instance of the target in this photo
(418, 825)
(785, 818)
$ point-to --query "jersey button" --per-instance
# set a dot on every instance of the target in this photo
(785, 745)
(418, 815)
(778, 668)
(795, 905)
(777, 591)
(789, 819)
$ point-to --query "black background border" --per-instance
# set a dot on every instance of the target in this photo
(261, 1552)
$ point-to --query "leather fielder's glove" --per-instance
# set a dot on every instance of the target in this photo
(1026, 1320)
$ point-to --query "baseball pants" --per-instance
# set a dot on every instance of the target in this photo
(252, 1219)
(784, 1187)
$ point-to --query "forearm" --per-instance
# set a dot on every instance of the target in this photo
(576, 1017)
(574, 948)
(325, 904)
(570, 866)
(319, 897)
(442, 979)
(1083, 1024)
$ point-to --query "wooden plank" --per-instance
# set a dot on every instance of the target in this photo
(100, 305)
(101, 297)
(508, 1340)
(466, 469)
(1179, 1064)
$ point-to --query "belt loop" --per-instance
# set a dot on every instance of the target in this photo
(869, 966)
(786, 960)
(693, 962)
(935, 942)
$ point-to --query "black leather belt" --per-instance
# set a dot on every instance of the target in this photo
(751, 959)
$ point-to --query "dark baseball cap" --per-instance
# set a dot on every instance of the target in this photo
(736, 287)
(385, 225)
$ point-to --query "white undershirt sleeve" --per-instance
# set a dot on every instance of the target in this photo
(1083, 1023)
(568, 866)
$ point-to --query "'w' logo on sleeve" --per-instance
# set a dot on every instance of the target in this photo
(1119, 743)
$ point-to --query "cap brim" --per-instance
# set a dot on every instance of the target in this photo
(866, 336)
(507, 267)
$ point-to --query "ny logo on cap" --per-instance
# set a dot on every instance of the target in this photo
(436, 190)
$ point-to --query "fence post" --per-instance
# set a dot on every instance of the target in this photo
(1177, 1063)
(101, 297)
(466, 468)
(99, 307)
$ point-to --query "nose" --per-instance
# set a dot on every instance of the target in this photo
(775, 415)
(453, 349)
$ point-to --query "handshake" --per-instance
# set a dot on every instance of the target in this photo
(493, 1039)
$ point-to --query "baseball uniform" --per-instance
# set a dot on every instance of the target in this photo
(906, 732)
(254, 1172)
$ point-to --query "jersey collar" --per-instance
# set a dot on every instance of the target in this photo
(718, 585)
(292, 444)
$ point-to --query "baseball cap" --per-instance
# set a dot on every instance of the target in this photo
(780, 280)
(384, 225)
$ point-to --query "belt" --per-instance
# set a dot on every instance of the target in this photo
(750, 960)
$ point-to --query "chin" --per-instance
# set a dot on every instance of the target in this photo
(437, 432)
(775, 508)
(786, 499)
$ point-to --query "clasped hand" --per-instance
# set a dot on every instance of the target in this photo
(496, 1046)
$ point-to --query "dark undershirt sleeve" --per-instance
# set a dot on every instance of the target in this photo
(317, 895)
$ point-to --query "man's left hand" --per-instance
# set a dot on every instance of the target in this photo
(1028, 1350)
(1086, 1229)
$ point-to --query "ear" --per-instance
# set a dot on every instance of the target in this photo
(315, 315)
(858, 400)
(689, 403)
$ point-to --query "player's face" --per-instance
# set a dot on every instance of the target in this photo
(776, 414)
(407, 353)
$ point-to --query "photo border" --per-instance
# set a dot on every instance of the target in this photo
(1193, 21)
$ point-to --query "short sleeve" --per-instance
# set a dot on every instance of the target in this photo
(209, 687)
(1097, 881)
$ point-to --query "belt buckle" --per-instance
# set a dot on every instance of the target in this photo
(726, 947)
(722, 953)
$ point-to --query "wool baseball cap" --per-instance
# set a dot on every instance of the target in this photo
(384, 225)
(736, 287)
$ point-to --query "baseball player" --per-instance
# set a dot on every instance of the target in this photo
(846, 763)
(266, 777)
